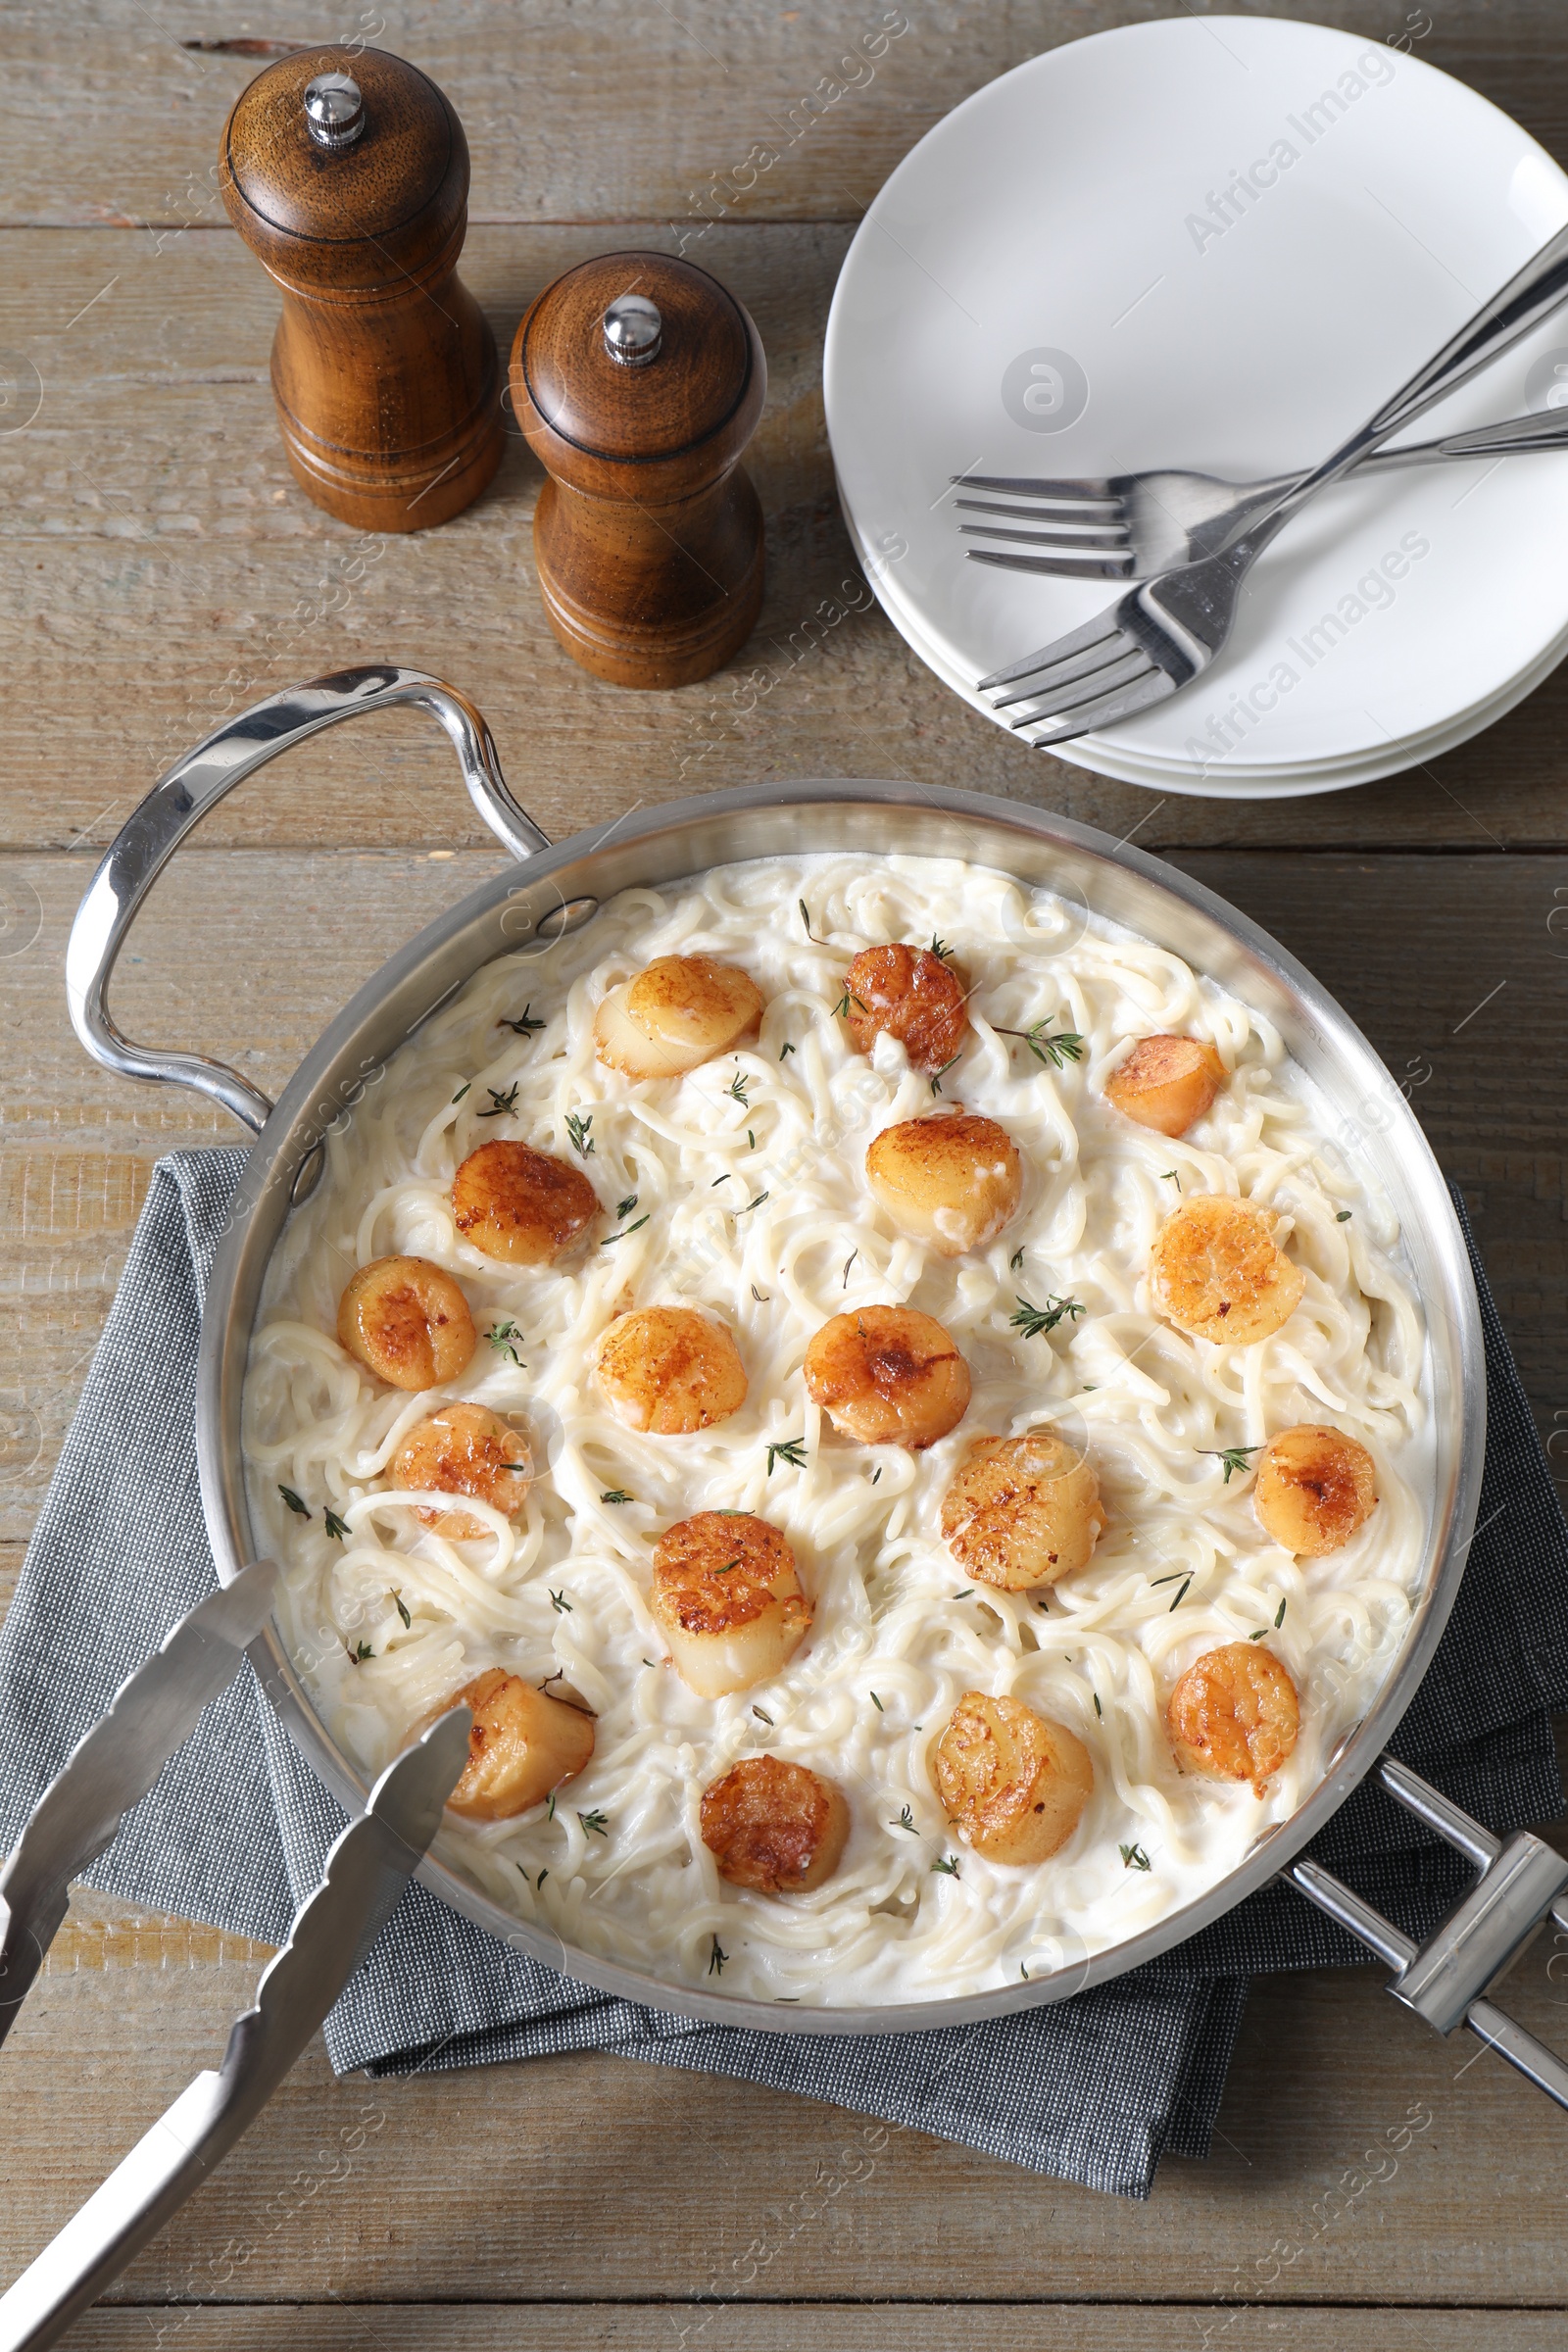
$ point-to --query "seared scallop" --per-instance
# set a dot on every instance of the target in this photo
(1218, 1273)
(680, 1011)
(670, 1370)
(464, 1449)
(910, 993)
(520, 1205)
(524, 1744)
(407, 1320)
(1233, 1715)
(1167, 1083)
(1022, 1512)
(1010, 1782)
(951, 1181)
(728, 1600)
(1315, 1487)
(776, 1828)
(889, 1376)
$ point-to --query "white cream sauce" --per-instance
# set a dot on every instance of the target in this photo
(749, 1172)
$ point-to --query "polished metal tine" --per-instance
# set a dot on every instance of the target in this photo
(1088, 565)
(1114, 520)
(1092, 541)
(1146, 687)
(1025, 485)
(1047, 660)
(1082, 687)
(1108, 513)
(1091, 663)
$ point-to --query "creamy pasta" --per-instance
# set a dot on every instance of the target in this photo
(750, 1197)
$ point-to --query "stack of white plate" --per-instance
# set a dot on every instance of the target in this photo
(1215, 242)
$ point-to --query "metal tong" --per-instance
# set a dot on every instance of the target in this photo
(1445, 1980)
(365, 1872)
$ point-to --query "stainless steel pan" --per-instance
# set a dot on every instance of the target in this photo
(555, 887)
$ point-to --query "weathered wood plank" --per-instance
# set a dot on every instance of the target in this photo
(894, 2326)
(653, 114)
(160, 571)
(1360, 2161)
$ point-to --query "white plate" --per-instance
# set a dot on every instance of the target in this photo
(1067, 208)
(1227, 780)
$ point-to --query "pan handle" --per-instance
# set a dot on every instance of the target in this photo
(179, 799)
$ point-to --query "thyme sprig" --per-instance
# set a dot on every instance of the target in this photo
(300, 1509)
(738, 1089)
(502, 1106)
(787, 1449)
(595, 1823)
(577, 1126)
(1035, 1321)
(1054, 1049)
(1235, 1459)
(1133, 1857)
(948, 1864)
(336, 1528)
(616, 1494)
(504, 1338)
(717, 1955)
(524, 1025)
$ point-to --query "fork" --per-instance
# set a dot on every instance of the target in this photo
(1128, 526)
(1162, 635)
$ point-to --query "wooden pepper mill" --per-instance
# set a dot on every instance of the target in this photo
(347, 174)
(638, 380)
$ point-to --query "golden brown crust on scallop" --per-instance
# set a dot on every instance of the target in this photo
(1022, 1512)
(1315, 1487)
(910, 993)
(522, 1745)
(1233, 1715)
(1013, 1783)
(776, 1828)
(1217, 1272)
(520, 1205)
(726, 1597)
(889, 1376)
(670, 1370)
(675, 1014)
(952, 1179)
(464, 1449)
(1166, 1083)
(408, 1321)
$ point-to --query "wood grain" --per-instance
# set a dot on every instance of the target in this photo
(158, 571)
(646, 115)
(161, 572)
(1359, 2161)
(895, 2326)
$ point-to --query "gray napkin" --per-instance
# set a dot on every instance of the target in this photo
(1096, 2089)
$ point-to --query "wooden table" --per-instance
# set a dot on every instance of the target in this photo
(161, 571)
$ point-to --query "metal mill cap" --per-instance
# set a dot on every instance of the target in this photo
(633, 330)
(334, 110)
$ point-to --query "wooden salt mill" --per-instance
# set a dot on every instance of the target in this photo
(638, 380)
(346, 172)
